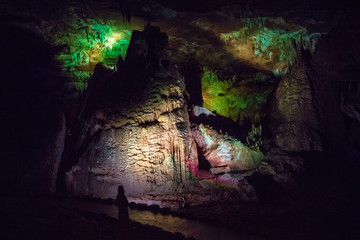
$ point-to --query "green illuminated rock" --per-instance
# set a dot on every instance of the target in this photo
(97, 43)
(236, 98)
(83, 42)
(275, 43)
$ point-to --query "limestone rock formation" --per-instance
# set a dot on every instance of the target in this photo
(294, 121)
(240, 96)
(142, 142)
(197, 111)
(224, 153)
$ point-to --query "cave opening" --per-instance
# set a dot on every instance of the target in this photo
(204, 164)
(192, 73)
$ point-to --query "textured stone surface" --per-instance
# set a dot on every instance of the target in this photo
(238, 96)
(143, 140)
(201, 193)
(294, 121)
(146, 146)
(224, 153)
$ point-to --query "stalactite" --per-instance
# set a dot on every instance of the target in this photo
(310, 41)
(179, 160)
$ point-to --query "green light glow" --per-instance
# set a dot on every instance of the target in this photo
(230, 98)
(278, 44)
(95, 43)
(273, 40)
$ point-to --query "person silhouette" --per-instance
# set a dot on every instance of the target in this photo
(122, 204)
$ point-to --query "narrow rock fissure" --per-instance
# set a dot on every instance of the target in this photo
(204, 164)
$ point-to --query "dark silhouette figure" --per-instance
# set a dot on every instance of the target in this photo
(122, 204)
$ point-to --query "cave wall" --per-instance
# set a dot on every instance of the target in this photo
(142, 151)
(335, 76)
(133, 127)
(143, 140)
(294, 119)
(32, 123)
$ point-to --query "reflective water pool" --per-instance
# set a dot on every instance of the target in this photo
(189, 228)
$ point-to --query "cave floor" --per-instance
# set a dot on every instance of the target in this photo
(267, 220)
(34, 217)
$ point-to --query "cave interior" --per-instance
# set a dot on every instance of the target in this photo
(238, 113)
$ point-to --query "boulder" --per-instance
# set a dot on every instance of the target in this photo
(197, 111)
(225, 153)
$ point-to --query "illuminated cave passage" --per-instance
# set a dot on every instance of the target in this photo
(239, 113)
